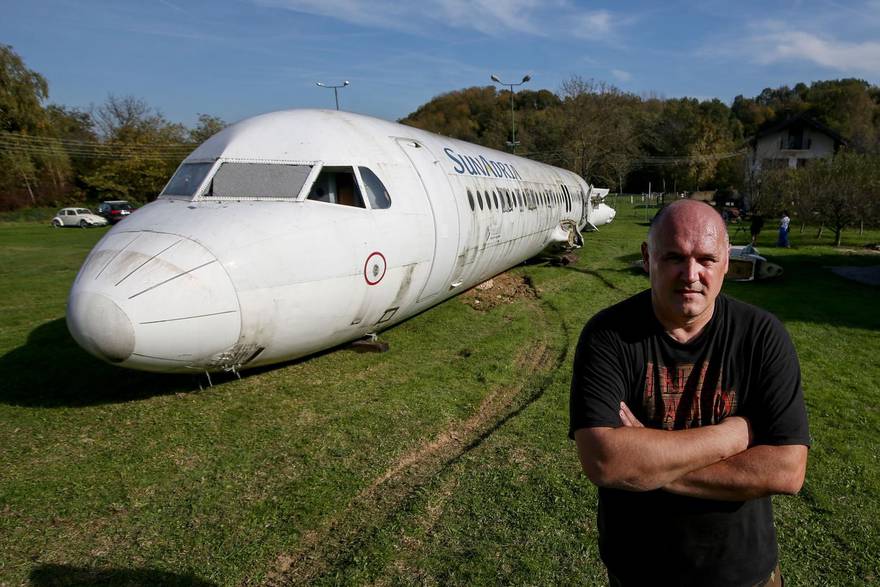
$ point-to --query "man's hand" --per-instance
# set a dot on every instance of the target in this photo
(760, 471)
(741, 425)
(626, 416)
(752, 473)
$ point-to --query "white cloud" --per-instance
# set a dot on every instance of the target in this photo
(791, 45)
(599, 23)
(489, 17)
(775, 41)
(621, 75)
(171, 5)
(381, 13)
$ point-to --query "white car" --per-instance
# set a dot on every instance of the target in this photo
(82, 217)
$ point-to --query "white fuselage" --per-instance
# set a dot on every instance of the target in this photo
(292, 248)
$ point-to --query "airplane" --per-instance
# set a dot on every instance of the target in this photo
(296, 231)
(747, 264)
(601, 213)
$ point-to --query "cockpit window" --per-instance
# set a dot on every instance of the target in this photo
(240, 181)
(187, 180)
(337, 185)
(376, 192)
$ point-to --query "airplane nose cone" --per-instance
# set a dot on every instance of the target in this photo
(156, 302)
(100, 326)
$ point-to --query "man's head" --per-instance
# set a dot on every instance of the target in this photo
(686, 256)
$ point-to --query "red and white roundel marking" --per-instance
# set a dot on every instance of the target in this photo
(374, 268)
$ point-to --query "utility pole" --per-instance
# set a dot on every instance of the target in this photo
(512, 143)
(335, 90)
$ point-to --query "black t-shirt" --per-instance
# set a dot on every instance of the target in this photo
(743, 363)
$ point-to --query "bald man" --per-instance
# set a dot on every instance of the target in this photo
(688, 414)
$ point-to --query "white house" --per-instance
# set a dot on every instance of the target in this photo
(791, 144)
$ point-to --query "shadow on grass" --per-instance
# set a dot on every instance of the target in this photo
(809, 291)
(51, 370)
(49, 575)
(593, 273)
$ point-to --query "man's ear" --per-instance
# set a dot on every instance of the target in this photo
(645, 258)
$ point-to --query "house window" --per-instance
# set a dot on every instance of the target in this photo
(768, 164)
(796, 138)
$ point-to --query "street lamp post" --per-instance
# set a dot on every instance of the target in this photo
(335, 90)
(512, 142)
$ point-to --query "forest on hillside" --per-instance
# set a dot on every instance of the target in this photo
(125, 149)
(621, 140)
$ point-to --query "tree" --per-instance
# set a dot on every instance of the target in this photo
(32, 163)
(838, 193)
(144, 148)
(687, 139)
(75, 129)
(599, 134)
(751, 114)
(848, 107)
(866, 201)
(207, 127)
(476, 115)
(22, 92)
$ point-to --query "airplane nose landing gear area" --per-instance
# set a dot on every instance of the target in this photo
(155, 302)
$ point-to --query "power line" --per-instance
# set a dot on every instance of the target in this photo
(38, 145)
(651, 160)
(176, 151)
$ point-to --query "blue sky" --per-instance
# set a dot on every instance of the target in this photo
(238, 58)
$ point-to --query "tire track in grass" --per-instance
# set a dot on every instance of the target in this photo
(331, 547)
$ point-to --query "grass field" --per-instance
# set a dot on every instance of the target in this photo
(442, 461)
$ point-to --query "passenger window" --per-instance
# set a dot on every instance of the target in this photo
(495, 199)
(376, 192)
(471, 200)
(480, 199)
(337, 185)
(488, 201)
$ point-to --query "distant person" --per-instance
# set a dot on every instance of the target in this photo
(784, 224)
(755, 227)
(688, 414)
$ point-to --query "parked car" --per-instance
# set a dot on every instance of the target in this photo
(115, 210)
(82, 217)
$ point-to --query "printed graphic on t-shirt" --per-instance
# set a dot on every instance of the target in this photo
(682, 397)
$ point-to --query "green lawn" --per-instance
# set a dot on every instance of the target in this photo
(442, 461)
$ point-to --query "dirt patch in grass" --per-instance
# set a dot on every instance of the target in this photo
(325, 548)
(501, 289)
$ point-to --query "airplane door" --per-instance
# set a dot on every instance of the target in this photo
(444, 208)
